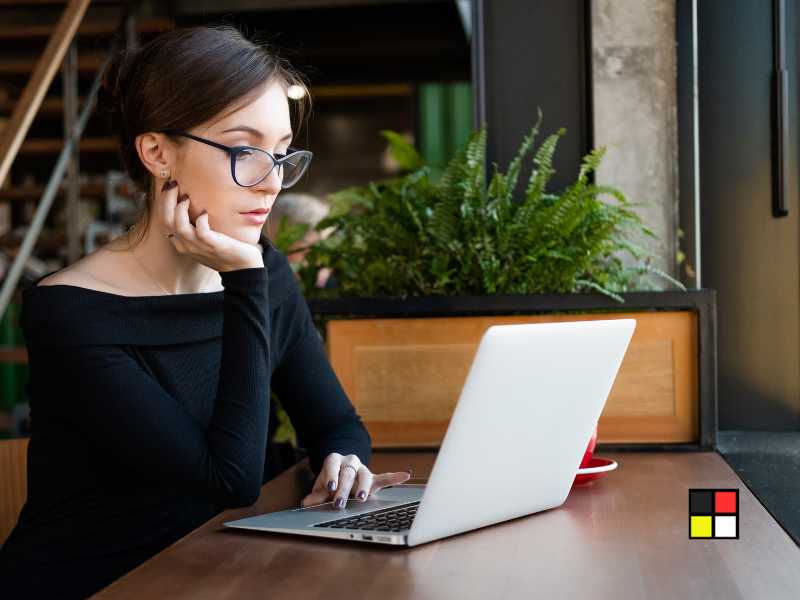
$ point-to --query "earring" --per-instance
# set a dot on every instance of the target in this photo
(164, 173)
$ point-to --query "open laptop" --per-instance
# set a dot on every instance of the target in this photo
(530, 403)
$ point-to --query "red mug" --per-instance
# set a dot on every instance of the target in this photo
(587, 456)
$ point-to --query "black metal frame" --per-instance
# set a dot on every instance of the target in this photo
(781, 137)
(233, 152)
(702, 302)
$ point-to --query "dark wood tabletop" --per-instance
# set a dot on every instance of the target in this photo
(623, 536)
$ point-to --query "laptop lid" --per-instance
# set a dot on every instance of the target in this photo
(528, 407)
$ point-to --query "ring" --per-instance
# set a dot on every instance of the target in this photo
(349, 467)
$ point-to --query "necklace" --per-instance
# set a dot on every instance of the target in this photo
(150, 276)
(141, 265)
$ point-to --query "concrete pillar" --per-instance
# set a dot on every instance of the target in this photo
(634, 90)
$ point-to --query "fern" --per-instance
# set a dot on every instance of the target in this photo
(417, 234)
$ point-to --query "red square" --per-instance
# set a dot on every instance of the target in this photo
(725, 502)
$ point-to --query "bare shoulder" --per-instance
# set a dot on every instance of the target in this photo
(66, 276)
(95, 271)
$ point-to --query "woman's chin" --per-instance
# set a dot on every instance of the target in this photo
(249, 234)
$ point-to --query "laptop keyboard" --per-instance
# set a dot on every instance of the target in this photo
(396, 518)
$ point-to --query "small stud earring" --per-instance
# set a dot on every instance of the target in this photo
(164, 173)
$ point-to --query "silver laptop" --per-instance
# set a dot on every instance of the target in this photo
(529, 405)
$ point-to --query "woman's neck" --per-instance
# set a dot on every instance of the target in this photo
(161, 264)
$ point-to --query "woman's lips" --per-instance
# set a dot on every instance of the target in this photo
(255, 217)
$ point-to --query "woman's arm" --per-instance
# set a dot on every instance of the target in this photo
(124, 412)
(319, 409)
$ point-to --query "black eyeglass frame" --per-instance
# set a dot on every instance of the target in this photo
(233, 152)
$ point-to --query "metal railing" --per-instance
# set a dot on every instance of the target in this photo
(61, 46)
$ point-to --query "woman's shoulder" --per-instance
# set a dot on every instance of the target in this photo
(102, 270)
(77, 276)
(77, 306)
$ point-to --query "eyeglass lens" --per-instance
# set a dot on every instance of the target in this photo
(252, 166)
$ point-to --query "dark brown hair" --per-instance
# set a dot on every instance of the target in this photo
(181, 79)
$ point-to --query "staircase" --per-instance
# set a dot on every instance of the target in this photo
(27, 30)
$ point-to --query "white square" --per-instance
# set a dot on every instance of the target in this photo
(725, 527)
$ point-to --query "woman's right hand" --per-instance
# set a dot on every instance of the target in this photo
(211, 248)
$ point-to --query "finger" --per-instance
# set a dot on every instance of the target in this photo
(331, 468)
(183, 228)
(203, 230)
(386, 479)
(318, 493)
(346, 479)
(317, 497)
(363, 484)
(169, 198)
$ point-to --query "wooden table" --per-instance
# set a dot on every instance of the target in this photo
(624, 536)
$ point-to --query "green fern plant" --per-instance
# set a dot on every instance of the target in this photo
(459, 234)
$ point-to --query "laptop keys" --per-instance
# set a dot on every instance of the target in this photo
(392, 519)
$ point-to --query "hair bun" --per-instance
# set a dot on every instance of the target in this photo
(112, 87)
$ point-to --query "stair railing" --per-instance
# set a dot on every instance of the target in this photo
(61, 42)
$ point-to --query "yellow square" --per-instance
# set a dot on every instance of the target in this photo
(700, 527)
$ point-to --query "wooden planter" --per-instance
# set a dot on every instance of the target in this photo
(403, 362)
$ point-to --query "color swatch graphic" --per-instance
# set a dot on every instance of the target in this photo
(714, 514)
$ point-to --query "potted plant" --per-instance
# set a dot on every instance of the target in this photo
(423, 263)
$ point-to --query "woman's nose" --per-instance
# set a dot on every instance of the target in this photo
(271, 184)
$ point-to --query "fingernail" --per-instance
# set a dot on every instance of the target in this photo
(339, 503)
(183, 197)
(409, 471)
(362, 494)
(331, 485)
(202, 212)
(168, 185)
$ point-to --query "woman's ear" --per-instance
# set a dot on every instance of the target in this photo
(156, 153)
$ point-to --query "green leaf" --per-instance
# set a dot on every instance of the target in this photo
(402, 151)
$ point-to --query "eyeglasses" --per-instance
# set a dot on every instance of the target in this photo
(251, 165)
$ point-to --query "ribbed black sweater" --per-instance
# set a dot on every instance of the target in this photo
(149, 416)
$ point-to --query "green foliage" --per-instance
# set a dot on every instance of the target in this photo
(456, 234)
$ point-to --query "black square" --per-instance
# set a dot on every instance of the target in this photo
(701, 501)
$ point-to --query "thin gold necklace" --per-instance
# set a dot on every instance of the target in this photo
(145, 270)
(141, 265)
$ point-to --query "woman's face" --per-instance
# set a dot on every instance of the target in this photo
(204, 173)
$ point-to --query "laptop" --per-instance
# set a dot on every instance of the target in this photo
(527, 410)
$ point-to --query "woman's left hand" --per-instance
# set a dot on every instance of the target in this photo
(341, 475)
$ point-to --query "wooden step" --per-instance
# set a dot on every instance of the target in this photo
(35, 192)
(145, 25)
(49, 106)
(87, 63)
(55, 106)
(49, 240)
(54, 145)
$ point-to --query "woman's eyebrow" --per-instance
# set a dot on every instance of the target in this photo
(255, 132)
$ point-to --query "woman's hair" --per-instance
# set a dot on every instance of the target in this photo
(183, 78)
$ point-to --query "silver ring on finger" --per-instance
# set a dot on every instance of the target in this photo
(355, 471)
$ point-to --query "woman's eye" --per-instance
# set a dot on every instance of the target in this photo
(243, 154)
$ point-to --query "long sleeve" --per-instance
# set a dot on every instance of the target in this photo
(318, 407)
(126, 413)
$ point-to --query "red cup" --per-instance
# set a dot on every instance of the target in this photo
(587, 456)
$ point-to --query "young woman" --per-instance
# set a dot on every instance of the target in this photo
(152, 359)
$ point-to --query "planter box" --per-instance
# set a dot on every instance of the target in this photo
(403, 362)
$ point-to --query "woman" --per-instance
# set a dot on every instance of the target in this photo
(152, 359)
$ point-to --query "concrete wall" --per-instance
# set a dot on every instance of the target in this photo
(634, 88)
